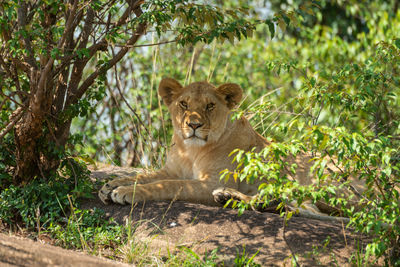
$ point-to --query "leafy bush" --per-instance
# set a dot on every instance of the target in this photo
(88, 229)
(44, 201)
(345, 113)
(358, 157)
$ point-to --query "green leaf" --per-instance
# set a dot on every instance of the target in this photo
(397, 43)
(55, 52)
(271, 27)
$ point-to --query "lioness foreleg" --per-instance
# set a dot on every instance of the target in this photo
(109, 187)
(187, 190)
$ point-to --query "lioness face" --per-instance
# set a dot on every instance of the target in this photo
(199, 111)
(198, 114)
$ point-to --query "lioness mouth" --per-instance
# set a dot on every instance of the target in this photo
(194, 137)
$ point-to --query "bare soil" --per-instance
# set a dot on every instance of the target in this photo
(171, 226)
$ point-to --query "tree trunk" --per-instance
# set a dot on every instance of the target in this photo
(36, 147)
(37, 133)
(27, 131)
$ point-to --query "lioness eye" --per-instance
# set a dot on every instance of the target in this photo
(183, 104)
(210, 106)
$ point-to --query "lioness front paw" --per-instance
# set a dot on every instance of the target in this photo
(222, 195)
(105, 193)
(122, 195)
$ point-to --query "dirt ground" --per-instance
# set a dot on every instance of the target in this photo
(166, 226)
(203, 228)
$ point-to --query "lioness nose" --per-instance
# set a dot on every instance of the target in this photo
(194, 125)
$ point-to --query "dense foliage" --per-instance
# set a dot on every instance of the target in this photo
(327, 83)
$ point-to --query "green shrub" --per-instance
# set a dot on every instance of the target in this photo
(345, 114)
(44, 201)
(88, 229)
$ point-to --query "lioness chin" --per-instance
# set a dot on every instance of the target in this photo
(204, 136)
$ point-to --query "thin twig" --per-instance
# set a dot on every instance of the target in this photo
(146, 45)
(11, 99)
(352, 188)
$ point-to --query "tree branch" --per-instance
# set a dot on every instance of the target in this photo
(45, 73)
(145, 45)
(14, 118)
(11, 99)
(79, 65)
(62, 70)
(122, 52)
(22, 16)
(101, 45)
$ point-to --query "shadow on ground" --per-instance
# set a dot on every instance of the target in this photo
(203, 228)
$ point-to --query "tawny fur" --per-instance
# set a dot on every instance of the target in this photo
(204, 136)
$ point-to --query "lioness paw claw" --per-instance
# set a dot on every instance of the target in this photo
(122, 195)
(105, 193)
(108, 192)
(222, 195)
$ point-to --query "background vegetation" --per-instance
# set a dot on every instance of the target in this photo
(319, 76)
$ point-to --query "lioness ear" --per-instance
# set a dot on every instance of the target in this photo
(169, 89)
(231, 92)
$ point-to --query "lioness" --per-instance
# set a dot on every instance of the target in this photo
(204, 135)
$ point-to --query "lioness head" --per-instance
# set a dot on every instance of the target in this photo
(200, 110)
